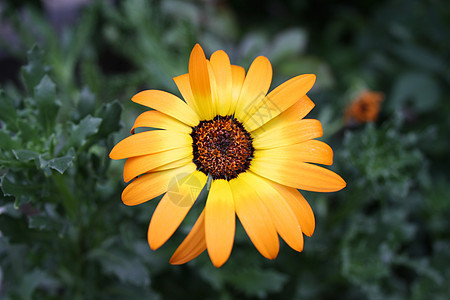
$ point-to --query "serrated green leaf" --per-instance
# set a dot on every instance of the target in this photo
(25, 155)
(21, 193)
(61, 164)
(8, 113)
(47, 105)
(86, 128)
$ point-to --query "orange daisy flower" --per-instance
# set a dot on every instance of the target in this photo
(255, 148)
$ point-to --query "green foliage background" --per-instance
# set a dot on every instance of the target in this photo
(64, 232)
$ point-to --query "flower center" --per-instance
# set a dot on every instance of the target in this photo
(222, 147)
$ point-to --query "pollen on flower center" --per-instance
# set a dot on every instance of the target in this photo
(222, 147)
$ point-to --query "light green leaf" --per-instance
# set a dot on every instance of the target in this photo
(25, 155)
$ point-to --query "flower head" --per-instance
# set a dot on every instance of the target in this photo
(256, 147)
(365, 108)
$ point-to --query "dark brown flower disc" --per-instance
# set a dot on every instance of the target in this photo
(222, 147)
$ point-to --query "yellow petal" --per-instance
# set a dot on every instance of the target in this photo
(222, 72)
(288, 134)
(200, 83)
(214, 91)
(238, 77)
(156, 119)
(193, 245)
(184, 86)
(168, 104)
(255, 218)
(310, 151)
(150, 142)
(296, 112)
(255, 88)
(283, 217)
(152, 185)
(280, 99)
(298, 174)
(299, 206)
(175, 164)
(182, 192)
(135, 166)
(219, 222)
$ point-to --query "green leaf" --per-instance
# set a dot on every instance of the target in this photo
(25, 155)
(61, 164)
(417, 89)
(110, 113)
(27, 132)
(255, 282)
(287, 44)
(125, 268)
(35, 69)
(86, 128)
(7, 142)
(7, 112)
(86, 103)
(21, 193)
(45, 98)
(29, 282)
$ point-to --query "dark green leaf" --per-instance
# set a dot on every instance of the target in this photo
(254, 282)
(110, 113)
(418, 90)
(21, 193)
(7, 112)
(7, 142)
(86, 103)
(47, 105)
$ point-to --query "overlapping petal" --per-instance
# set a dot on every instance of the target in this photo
(255, 218)
(255, 87)
(182, 192)
(310, 151)
(168, 104)
(288, 134)
(193, 245)
(298, 174)
(282, 215)
(156, 119)
(135, 166)
(199, 79)
(280, 99)
(150, 142)
(149, 186)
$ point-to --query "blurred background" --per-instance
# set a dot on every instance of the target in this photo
(68, 69)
